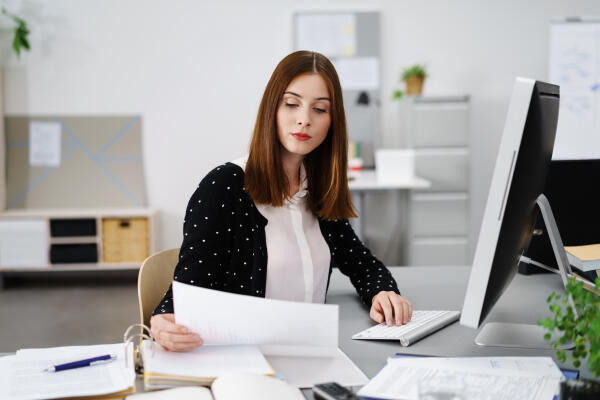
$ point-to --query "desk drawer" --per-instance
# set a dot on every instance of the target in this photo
(446, 169)
(439, 214)
(439, 125)
(439, 251)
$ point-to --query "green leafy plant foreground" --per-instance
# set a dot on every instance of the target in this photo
(21, 32)
(576, 321)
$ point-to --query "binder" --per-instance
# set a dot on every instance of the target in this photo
(164, 369)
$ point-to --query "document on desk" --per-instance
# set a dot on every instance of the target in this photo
(299, 340)
(22, 376)
(535, 378)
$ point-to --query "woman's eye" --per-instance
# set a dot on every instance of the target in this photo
(320, 110)
(291, 105)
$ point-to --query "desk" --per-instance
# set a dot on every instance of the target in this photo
(367, 181)
(434, 288)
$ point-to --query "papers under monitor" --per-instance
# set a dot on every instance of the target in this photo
(532, 378)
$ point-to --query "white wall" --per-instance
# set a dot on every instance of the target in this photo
(195, 71)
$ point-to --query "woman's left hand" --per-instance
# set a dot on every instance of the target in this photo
(391, 308)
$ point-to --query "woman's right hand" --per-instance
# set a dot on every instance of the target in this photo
(171, 336)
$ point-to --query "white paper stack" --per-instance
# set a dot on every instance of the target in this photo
(526, 378)
(22, 376)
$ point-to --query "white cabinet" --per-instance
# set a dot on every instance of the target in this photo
(438, 129)
(76, 240)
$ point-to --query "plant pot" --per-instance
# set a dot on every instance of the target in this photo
(579, 389)
(414, 85)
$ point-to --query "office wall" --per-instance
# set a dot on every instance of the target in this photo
(195, 71)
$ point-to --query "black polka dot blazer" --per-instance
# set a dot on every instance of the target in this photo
(224, 245)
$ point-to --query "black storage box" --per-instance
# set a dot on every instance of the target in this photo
(74, 253)
(72, 227)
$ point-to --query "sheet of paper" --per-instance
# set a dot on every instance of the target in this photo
(23, 243)
(44, 144)
(208, 361)
(333, 35)
(304, 366)
(25, 378)
(358, 73)
(499, 379)
(225, 318)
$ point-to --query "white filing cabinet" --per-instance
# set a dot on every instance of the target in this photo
(438, 129)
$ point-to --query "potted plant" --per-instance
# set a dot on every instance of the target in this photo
(414, 77)
(576, 319)
(21, 32)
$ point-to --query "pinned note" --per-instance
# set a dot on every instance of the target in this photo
(44, 144)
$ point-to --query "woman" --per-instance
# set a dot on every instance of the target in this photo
(274, 224)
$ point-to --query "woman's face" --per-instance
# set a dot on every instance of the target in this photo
(304, 114)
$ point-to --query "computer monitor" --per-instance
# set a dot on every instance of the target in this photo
(511, 209)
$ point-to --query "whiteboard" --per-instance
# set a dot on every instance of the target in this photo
(575, 67)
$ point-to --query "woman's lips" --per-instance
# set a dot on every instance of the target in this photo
(301, 136)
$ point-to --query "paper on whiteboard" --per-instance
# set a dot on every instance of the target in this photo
(226, 318)
(44, 144)
(331, 35)
(575, 67)
(361, 73)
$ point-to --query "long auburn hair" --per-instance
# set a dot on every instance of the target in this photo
(326, 166)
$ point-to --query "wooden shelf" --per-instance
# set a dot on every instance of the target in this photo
(74, 239)
(99, 239)
(76, 267)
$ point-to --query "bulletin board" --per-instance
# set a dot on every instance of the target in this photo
(351, 41)
(91, 162)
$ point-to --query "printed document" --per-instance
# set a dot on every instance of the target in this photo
(226, 318)
(534, 378)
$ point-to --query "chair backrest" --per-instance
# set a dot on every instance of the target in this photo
(156, 274)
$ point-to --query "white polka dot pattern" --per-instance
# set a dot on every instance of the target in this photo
(224, 244)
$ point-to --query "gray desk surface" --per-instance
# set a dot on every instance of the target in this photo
(434, 288)
(430, 288)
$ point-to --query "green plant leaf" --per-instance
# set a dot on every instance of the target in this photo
(418, 70)
(20, 40)
(398, 94)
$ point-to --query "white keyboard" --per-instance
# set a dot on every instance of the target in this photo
(422, 324)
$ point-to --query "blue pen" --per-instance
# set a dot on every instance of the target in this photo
(83, 363)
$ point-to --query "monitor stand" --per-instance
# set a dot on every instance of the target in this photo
(528, 336)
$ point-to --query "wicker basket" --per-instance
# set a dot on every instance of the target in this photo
(124, 240)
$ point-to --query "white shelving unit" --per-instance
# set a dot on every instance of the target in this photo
(24, 246)
(438, 129)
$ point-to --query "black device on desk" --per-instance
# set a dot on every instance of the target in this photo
(333, 391)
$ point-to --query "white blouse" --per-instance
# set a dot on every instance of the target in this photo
(298, 257)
